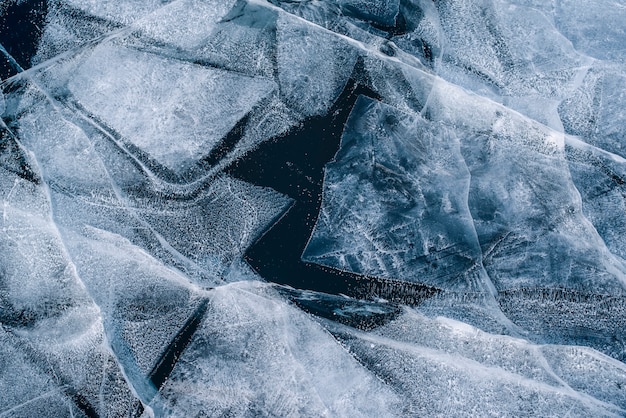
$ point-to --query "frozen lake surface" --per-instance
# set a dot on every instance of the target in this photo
(302, 208)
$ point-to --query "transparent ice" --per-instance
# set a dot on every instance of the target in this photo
(480, 174)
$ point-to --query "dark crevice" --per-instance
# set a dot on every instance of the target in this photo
(294, 165)
(360, 314)
(82, 403)
(406, 21)
(166, 363)
(13, 160)
(226, 145)
(388, 49)
(21, 27)
(400, 28)
(8, 66)
(489, 79)
(427, 51)
(139, 410)
(172, 52)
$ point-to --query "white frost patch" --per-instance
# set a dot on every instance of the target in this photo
(174, 111)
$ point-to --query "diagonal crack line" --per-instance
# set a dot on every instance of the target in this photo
(46, 190)
(184, 260)
(360, 45)
(119, 194)
(26, 74)
(11, 60)
(403, 63)
(180, 190)
(9, 412)
(169, 358)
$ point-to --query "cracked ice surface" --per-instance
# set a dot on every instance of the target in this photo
(395, 201)
(472, 217)
(170, 105)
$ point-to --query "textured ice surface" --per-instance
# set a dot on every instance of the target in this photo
(395, 202)
(122, 13)
(595, 111)
(148, 149)
(99, 191)
(457, 364)
(597, 31)
(55, 353)
(184, 25)
(599, 177)
(254, 354)
(111, 80)
(311, 82)
(396, 179)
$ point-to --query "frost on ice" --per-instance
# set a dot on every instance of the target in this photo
(164, 98)
(471, 208)
(395, 202)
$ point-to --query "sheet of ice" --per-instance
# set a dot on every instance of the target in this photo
(138, 323)
(541, 244)
(184, 24)
(150, 100)
(73, 349)
(525, 207)
(124, 12)
(529, 220)
(310, 82)
(256, 355)
(116, 220)
(544, 62)
(37, 277)
(595, 111)
(599, 177)
(215, 228)
(27, 390)
(508, 51)
(395, 202)
(465, 372)
(94, 184)
(589, 372)
(111, 234)
(240, 40)
(55, 355)
(237, 36)
(69, 29)
(563, 316)
(595, 29)
(82, 185)
(141, 316)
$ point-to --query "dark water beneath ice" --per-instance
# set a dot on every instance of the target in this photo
(294, 165)
(21, 27)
